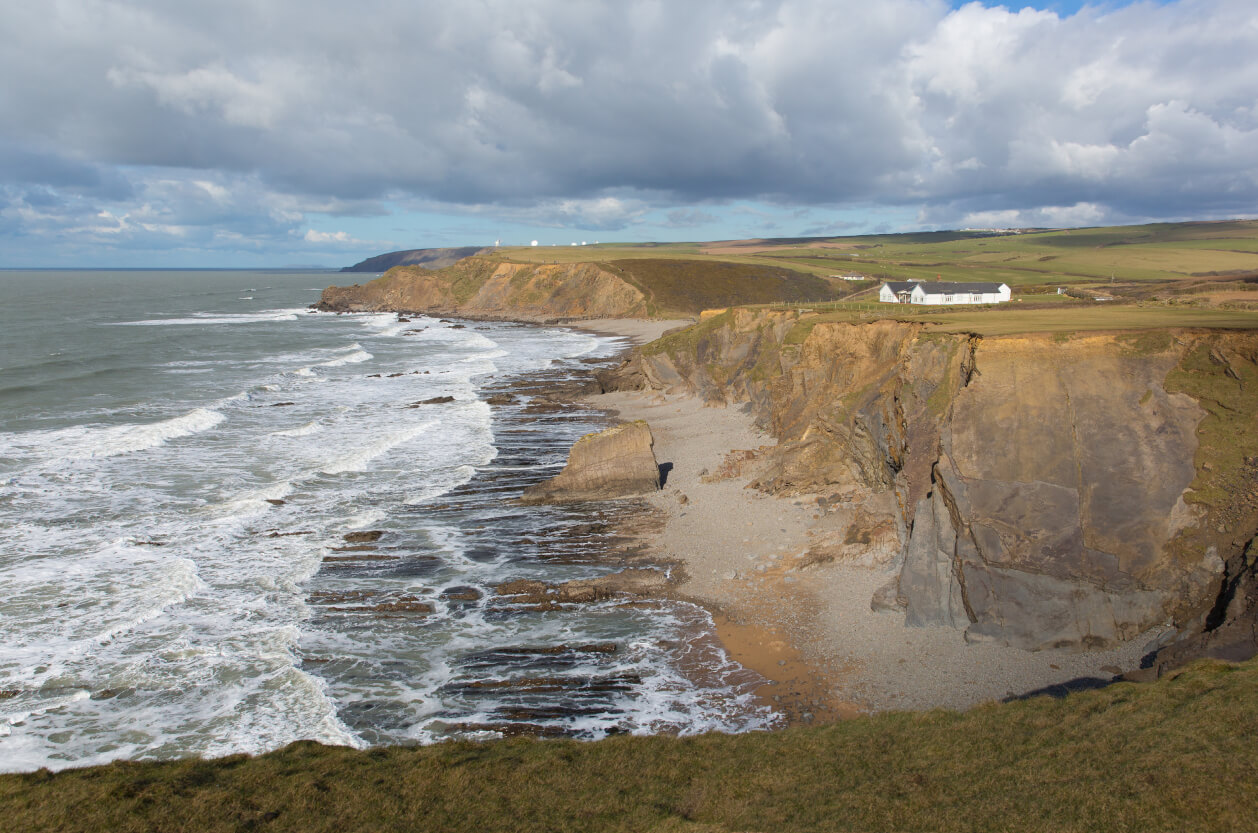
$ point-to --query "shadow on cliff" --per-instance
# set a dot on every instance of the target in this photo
(665, 468)
(1060, 690)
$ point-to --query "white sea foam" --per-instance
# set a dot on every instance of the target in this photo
(460, 338)
(186, 590)
(365, 518)
(304, 431)
(210, 318)
(455, 478)
(304, 709)
(358, 459)
(124, 439)
(84, 442)
(179, 582)
(492, 354)
(121, 586)
(254, 501)
(355, 357)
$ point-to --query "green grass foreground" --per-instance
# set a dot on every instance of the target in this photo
(1179, 754)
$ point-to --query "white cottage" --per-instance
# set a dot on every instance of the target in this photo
(943, 292)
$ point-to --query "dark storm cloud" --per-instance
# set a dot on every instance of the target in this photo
(589, 114)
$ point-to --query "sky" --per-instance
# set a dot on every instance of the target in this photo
(145, 133)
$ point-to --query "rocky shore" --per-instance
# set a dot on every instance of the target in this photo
(824, 545)
(841, 503)
(803, 619)
(787, 584)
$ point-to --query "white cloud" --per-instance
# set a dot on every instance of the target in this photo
(251, 118)
(1049, 216)
(312, 236)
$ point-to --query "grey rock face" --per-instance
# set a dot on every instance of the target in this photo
(1056, 491)
(607, 464)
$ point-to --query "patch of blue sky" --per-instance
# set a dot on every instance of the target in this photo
(1062, 8)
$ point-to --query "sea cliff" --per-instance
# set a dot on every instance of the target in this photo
(1060, 490)
(486, 288)
(498, 287)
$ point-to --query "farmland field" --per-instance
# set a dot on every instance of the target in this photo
(1162, 252)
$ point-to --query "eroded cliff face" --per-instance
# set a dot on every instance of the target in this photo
(485, 288)
(1044, 492)
(1059, 483)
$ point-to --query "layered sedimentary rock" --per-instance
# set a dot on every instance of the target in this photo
(1048, 491)
(491, 286)
(635, 581)
(485, 288)
(1059, 483)
(616, 462)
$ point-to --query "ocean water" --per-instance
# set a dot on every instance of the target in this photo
(228, 522)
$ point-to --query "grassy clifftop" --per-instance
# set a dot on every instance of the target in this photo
(1147, 255)
(657, 287)
(687, 287)
(1179, 754)
(1203, 268)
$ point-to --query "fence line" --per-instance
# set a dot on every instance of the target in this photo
(866, 309)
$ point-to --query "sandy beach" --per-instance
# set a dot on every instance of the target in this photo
(809, 627)
(637, 330)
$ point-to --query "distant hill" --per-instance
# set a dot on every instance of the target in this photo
(428, 258)
(492, 287)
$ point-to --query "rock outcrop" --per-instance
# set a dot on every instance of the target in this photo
(1065, 491)
(1059, 483)
(482, 287)
(635, 581)
(612, 463)
(491, 286)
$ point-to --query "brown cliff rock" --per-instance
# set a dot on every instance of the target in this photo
(635, 581)
(613, 463)
(1058, 487)
(485, 288)
(1048, 491)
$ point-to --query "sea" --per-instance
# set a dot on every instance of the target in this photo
(229, 522)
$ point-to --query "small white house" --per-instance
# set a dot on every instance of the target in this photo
(943, 292)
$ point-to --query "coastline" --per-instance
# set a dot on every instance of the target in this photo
(636, 330)
(809, 627)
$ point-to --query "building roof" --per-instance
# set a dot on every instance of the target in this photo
(900, 286)
(941, 287)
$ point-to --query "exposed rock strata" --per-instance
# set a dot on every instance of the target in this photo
(612, 463)
(484, 288)
(487, 286)
(1045, 490)
(635, 581)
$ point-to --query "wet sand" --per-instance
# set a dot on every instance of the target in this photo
(637, 330)
(809, 628)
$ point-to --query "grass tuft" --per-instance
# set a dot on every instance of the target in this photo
(1178, 754)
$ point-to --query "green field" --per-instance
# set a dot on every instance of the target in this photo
(1164, 252)
(1158, 252)
(686, 287)
(1044, 315)
(1176, 755)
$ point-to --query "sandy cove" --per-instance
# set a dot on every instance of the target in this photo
(809, 628)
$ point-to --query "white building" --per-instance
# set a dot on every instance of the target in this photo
(944, 292)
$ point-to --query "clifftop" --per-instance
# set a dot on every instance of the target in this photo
(483, 286)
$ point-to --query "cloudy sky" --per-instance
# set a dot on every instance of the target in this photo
(285, 132)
